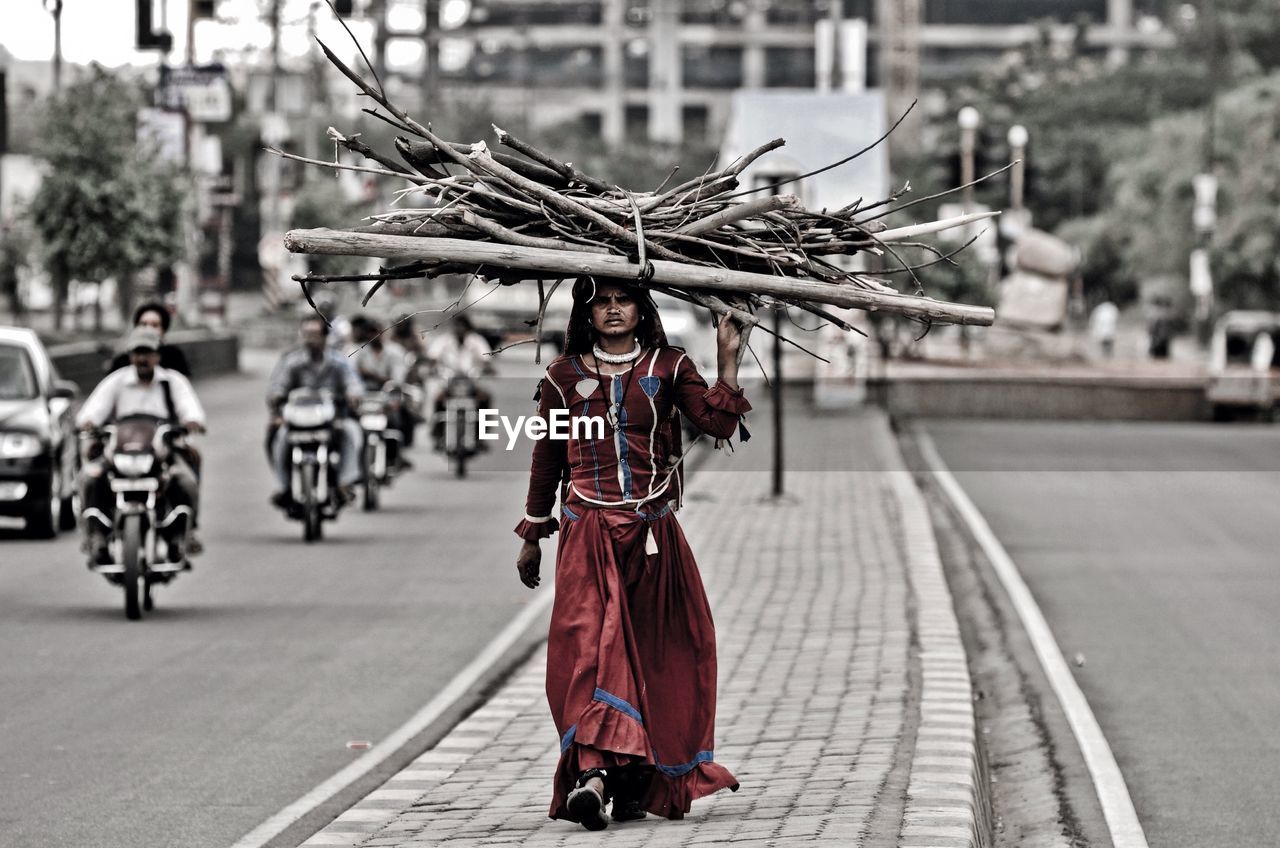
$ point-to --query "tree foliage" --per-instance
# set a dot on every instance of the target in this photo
(108, 207)
(1114, 148)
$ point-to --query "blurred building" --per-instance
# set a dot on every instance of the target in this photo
(666, 68)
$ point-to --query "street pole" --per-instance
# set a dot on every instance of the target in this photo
(777, 403)
(54, 7)
(968, 119)
(1017, 151)
(1014, 222)
(274, 224)
(1204, 215)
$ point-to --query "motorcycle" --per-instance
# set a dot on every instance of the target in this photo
(382, 442)
(459, 416)
(147, 537)
(311, 416)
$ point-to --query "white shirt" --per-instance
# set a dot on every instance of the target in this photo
(1103, 319)
(120, 394)
(453, 357)
(391, 364)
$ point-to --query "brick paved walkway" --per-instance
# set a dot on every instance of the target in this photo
(843, 718)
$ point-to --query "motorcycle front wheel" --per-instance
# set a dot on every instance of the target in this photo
(459, 449)
(371, 483)
(134, 580)
(311, 507)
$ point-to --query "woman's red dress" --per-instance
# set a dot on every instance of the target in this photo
(631, 656)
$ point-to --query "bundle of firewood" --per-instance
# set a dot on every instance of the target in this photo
(525, 215)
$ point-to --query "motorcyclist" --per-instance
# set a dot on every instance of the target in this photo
(315, 365)
(379, 361)
(460, 352)
(155, 315)
(141, 388)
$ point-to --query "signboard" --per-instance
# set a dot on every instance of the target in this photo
(165, 133)
(203, 91)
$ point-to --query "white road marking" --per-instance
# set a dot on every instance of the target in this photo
(1108, 782)
(446, 698)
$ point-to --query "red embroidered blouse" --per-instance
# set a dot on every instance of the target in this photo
(633, 463)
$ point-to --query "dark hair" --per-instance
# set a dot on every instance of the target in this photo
(581, 335)
(402, 327)
(324, 325)
(157, 307)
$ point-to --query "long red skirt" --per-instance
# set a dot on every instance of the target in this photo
(631, 658)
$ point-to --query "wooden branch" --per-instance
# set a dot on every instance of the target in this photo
(738, 212)
(355, 145)
(500, 233)
(338, 166)
(914, 230)
(565, 169)
(565, 204)
(681, 274)
(416, 152)
(742, 162)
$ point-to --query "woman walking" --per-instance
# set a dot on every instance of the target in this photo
(631, 663)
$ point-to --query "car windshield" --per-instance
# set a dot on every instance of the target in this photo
(17, 379)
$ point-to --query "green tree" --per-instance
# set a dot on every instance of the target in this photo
(1146, 231)
(109, 207)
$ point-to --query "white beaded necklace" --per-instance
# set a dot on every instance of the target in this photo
(616, 358)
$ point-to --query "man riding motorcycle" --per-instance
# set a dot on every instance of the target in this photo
(141, 388)
(315, 365)
(381, 361)
(460, 352)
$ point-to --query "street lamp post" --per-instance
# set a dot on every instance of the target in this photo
(54, 7)
(969, 120)
(1017, 176)
(1204, 218)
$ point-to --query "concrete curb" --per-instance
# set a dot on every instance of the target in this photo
(948, 795)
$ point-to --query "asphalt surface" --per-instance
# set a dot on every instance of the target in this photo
(243, 689)
(1151, 549)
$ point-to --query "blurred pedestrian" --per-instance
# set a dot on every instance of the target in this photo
(631, 660)
(1160, 329)
(1102, 326)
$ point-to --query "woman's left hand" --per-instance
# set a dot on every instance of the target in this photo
(728, 343)
(729, 335)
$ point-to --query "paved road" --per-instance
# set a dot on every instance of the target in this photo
(1152, 550)
(242, 691)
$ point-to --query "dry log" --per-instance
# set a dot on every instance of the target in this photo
(928, 227)
(738, 212)
(683, 275)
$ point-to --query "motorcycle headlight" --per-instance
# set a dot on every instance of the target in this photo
(133, 464)
(373, 421)
(19, 445)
